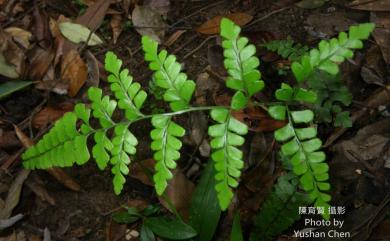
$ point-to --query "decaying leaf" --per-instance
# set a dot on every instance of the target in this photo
(212, 26)
(116, 26)
(370, 5)
(20, 36)
(159, 6)
(148, 22)
(40, 61)
(382, 33)
(310, 4)
(175, 36)
(74, 70)
(179, 192)
(11, 57)
(50, 114)
(139, 170)
(78, 33)
(62, 177)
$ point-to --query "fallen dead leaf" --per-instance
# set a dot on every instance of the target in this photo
(116, 26)
(13, 196)
(212, 26)
(40, 61)
(160, 6)
(78, 33)
(74, 70)
(139, 171)
(94, 15)
(370, 5)
(382, 33)
(174, 37)
(148, 22)
(50, 114)
(20, 36)
(179, 192)
(40, 191)
(115, 231)
(11, 57)
(8, 139)
(62, 177)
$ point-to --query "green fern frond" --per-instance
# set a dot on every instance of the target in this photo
(123, 145)
(280, 209)
(287, 49)
(166, 145)
(63, 146)
(301, 147)
(168, 75)
(333, 52)
(226, 137)
(129, 95)
(241, 64)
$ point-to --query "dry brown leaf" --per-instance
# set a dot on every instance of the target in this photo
(115, 231)
(40, 60)
(50, 114)
(74, 70)
(20, 36)
(159, 6)
(94, 15)
(62, 177)
(174, 37)
(370, 5)
(8, 139)
(212, 26)
(26, 141)
(59, 39)
(13, 196)
(382, 33)
(137, 171)
(11, 57)
(40, 191)
(116, 26)
(179, 192)
(93, 69)
(148, 22)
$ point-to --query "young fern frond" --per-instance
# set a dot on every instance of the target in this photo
(226, 137)
(287, 49)
(63, 146)
(301, 145)
(280, 209)
(168, 75)
(178, 91)
(241, 64)
(166, 146)
(331, 53)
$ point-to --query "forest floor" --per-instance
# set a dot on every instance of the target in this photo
(77, 203)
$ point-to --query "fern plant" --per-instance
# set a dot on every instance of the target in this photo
(287, 48)
(115, 145)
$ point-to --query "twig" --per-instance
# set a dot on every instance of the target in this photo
(198, 47)
(267, 16)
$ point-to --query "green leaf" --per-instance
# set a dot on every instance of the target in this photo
(9, 87)
(305, 96)
(78, 33)
(277, 112)
(285, 93)
(303, 116)
(205, 211)
(169, 228)
(124, 217)
(343, 119)
(229, 30)
(284, 133)
(236, 234)
(239, 101)
(146, 234)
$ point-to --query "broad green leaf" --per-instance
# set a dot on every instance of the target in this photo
(146, 234)
(305, 95)
(124, 217)
(169, 228)
(236, 234)
(9, 87)
(78, 33)
(205, 211)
